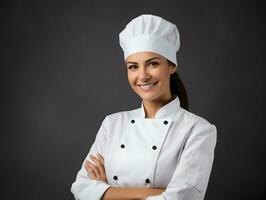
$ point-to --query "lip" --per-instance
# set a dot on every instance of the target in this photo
(147, 86)
(147, 83)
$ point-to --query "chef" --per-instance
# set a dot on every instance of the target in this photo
(159, 151)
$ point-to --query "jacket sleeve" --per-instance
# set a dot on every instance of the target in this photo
(192, 173)
(84, 188)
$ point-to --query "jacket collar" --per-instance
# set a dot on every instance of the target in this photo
(165, 111)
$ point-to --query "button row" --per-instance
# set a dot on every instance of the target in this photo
(123, 146)
(165, 121)
(146, 180)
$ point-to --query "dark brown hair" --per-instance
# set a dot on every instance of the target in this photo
(177, 88)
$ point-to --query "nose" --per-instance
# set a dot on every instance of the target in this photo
(144, 74)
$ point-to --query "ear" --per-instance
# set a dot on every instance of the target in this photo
(173, 69)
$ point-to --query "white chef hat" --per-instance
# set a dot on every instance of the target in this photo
(150, 33)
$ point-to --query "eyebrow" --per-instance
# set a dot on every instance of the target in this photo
(145, 61)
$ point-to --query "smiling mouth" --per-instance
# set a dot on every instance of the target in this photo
(147, 86)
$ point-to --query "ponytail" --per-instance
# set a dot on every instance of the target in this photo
(177, 88)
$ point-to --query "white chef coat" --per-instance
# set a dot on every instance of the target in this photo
(174, 150)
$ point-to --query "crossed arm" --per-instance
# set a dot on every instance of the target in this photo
(97, 172)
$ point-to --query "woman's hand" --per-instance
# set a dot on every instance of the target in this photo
(96, 171)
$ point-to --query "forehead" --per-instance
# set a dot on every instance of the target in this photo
(143, 56)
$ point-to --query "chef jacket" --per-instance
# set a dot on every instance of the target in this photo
(174, 150)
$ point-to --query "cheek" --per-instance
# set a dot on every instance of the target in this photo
(159, 74)
(164, 78)
(130, 78)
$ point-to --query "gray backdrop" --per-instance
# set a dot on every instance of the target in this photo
(62, 72)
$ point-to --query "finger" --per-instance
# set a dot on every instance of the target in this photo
(102, 168)
(99, 164)
(95, 169)
(95, 160)
(100, 158)
(89, 169)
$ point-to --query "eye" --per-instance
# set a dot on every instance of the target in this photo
(153, 64)
(132, 67)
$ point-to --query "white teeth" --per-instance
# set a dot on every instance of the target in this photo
(147, 86)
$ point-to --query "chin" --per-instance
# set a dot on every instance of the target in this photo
(147, 97)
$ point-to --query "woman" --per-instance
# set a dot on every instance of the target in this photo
(160, 150)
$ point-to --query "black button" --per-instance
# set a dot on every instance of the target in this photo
(115, 177)
(147, 180)
(122, 146)
(165, 122)
(154, 147)
(132, 121)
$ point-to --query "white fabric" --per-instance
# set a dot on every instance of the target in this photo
(150, 33)
(181, 163)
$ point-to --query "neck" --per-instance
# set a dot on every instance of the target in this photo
(151, 107)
